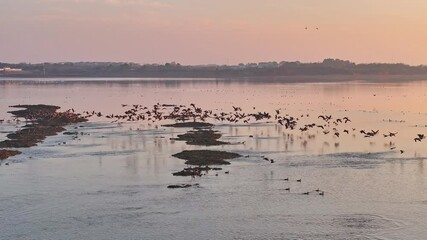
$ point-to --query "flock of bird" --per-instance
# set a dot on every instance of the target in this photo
(202, 171)
(317, 191)
(182, 113)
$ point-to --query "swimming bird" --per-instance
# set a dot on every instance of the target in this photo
(299, 180)
(227, 172)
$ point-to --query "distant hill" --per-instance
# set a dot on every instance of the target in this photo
(262, 69)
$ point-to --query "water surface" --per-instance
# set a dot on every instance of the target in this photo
(111, 182)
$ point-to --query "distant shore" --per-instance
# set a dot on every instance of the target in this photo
(374, 78)
(329, 70)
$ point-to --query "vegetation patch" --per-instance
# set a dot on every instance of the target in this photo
(71, 133)
(189, 125)
(183, 185)
(195, 171)
(44, 121)
(47, 115)
(201, 137)
(205, 157)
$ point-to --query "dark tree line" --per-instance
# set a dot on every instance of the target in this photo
(111, 69)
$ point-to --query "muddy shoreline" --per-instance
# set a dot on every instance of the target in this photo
(4, 154)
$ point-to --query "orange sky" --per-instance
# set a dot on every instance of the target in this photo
(200, 32)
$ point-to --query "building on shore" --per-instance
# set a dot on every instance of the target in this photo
(7, 69)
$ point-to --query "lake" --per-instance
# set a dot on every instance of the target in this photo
(111, 182)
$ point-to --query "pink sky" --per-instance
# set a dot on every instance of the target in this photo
(205, 31)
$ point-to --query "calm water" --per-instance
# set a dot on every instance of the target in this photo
(111, 183)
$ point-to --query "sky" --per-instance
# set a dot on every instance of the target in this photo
(213, 31)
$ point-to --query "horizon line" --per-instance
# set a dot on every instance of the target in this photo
(213, 64)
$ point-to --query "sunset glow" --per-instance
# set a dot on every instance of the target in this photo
(201, 32)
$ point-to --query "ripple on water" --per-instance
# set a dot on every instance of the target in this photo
(341, 160)
(363, 222)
